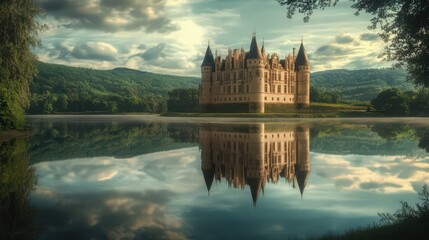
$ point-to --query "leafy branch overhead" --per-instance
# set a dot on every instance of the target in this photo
(404, 26)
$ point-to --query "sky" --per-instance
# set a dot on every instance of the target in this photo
(171, 36)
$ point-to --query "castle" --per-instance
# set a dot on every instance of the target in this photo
(254, 81)
(254, 154)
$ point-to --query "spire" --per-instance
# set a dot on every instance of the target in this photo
(301, 178)
(254, 52)
(208, 58)
(208, 178)
(301, 58)
(255, 188)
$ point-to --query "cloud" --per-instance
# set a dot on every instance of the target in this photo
(343, 39)
(376, 185)
(110, 15)
(95, 50)
(110, 215)
(89, 51)
(154, 52)
(369, 37)
(331, 50)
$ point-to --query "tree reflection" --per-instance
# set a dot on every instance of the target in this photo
(17, 180)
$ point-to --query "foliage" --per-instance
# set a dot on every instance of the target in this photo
(404, 26)
(18, 34)
(362, 85)
(409, 213)
(391, 101)
(59, 88)
(17, 180)
(183, 100)
(324, 96)
(394, 101)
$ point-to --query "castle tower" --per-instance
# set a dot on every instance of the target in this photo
(302, 68)
(302, 166)
(206, 156)
(255, 174)
(255, 70)
(207, 69)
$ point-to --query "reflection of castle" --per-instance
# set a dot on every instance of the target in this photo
(254, 154)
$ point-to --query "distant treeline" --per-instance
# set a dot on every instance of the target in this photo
(360, 85)
(396, 102)
(59, 88)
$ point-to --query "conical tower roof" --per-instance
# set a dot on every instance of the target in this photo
(301, 178)
(255, 188)
(208, 59)
(254, 52)
(301, 58)
(208, 177)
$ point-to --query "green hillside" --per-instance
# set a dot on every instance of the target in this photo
(59, 88)
(364, 84)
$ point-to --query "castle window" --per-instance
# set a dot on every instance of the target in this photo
(229, 89)
(279, 89)
(235, 99)
(280, 77)
(265, 98)
(247, 86)
(285, 90)
(265, 76)
(250, 73)
(278, 99)
(257, 73)
(240, 75)
(234, 89)
(266, 88)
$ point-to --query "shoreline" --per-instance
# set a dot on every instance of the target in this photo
(219, 119)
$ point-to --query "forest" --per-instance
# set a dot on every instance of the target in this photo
(59, 88)
(62, 89)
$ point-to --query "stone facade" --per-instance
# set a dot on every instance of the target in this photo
(255, 155)
(248, 81)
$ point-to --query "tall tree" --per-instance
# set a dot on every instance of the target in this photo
(404, 27)
(18, 34)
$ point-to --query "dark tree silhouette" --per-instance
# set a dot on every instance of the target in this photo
(404, 27)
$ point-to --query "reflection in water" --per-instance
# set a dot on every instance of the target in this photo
(17, 180)
(254, 154)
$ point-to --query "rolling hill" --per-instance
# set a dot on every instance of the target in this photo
(363, 85)
(59, 88)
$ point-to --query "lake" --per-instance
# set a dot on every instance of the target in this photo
(149, 177)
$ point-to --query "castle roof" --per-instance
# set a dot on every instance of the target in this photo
(301, 178)
(254, 52)
(301, 58)
(255, 188)
(208, 177)
(208, 59)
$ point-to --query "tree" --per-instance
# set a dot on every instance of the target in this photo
(183, 100)
(404, 27)
(18, 34)
(391, 101)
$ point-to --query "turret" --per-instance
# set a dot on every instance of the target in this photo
(302, 166)
(302, 68)
(255, 73)
(207, 69)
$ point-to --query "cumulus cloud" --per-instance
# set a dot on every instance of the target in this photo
(88, 50)
(110, 15)
(111, 215)
(95, 50)
(369, 37)
(343, 39)
(331, 50)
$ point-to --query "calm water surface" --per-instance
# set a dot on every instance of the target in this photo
(148, 178)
